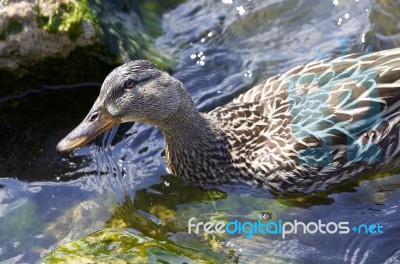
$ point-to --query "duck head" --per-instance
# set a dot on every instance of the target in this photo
(137, 91)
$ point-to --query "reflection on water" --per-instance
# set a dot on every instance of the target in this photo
(222, 49)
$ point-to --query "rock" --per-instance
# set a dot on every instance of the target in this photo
(84, 218)
(33, 31)
(60, 42)
(116, 245)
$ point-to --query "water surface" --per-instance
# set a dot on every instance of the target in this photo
(221, 48)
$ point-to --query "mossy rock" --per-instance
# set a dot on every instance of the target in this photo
(127, 246)
(73, 41)
(69, 16)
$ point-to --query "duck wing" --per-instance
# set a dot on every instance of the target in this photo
(316, 114)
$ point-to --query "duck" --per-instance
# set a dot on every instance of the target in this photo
(317, 125)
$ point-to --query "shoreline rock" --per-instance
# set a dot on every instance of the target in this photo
(31, 32)
(53, 42)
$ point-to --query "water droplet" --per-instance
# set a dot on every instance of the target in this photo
(193, 56)
(229, 2)
(336, 2)
(347, 15)
(241, 10)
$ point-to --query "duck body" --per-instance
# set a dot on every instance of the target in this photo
(317, 125)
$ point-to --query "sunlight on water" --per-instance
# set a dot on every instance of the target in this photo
(220, 48)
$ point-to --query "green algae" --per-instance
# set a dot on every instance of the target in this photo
(68, 17)
(126, 246)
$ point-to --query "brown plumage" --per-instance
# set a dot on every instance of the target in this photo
(318, 124)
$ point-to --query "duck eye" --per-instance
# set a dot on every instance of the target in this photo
(129, 84)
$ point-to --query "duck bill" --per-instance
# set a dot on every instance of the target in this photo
(96, 122)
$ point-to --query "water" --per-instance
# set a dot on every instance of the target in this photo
(222, 48)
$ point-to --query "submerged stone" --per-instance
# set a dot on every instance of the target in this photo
(126, 246)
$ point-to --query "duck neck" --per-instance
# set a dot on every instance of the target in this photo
(195, 145)
(187, 127)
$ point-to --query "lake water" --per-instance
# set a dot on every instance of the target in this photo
(222, 48)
